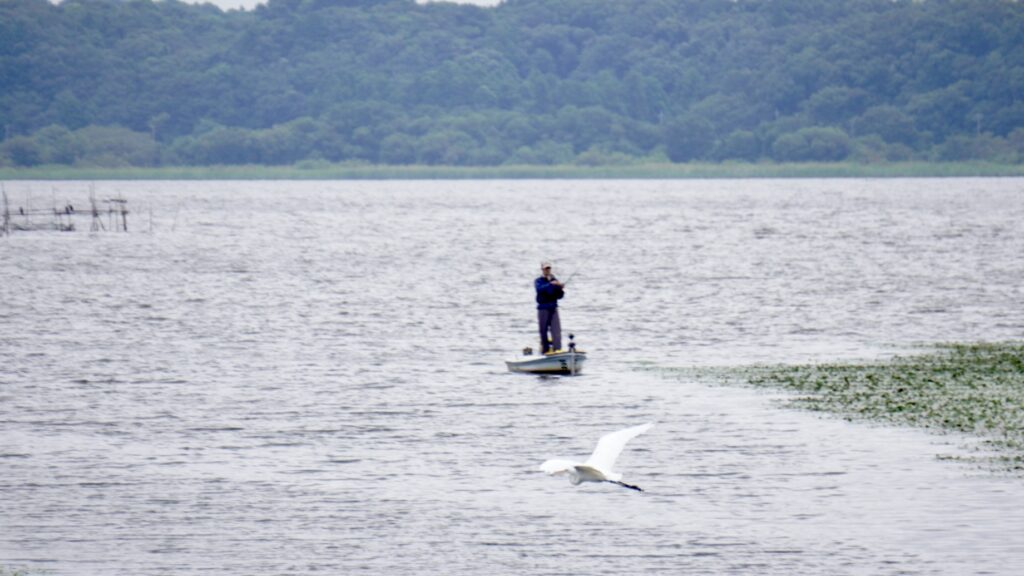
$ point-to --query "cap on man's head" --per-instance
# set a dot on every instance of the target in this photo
(545, 264)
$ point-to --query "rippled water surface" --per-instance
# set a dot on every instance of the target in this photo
(279, 378)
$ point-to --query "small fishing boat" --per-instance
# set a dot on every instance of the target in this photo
(561, 362)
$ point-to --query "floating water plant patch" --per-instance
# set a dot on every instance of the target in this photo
(972, 388)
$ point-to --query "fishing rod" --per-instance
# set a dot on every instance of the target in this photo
(575, 272)
(571, 276)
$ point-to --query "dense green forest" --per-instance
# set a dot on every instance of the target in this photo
(142, 83)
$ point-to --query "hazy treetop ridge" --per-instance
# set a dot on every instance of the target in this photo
(529, 81)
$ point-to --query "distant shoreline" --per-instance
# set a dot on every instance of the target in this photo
(667, 171)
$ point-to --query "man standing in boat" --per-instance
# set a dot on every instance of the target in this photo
(549, 291)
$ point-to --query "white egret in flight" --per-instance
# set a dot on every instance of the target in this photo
(598, 468)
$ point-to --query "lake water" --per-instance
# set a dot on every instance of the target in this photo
(295, 377)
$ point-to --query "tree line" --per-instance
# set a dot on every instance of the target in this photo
(143, 83)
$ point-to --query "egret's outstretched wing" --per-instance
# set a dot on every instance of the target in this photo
(610, 446)
(554, 467)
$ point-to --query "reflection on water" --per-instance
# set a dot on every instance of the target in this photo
(278, 378)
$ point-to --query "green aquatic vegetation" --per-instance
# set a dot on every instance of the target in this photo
(637, 170)
(976, 389)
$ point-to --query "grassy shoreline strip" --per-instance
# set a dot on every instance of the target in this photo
(323, 171)
(976, 389)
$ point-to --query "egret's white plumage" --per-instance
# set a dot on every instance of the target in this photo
(598, 468)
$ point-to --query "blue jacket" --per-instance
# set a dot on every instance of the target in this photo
(547, 293)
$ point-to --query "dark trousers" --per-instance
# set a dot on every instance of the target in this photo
(548, 320)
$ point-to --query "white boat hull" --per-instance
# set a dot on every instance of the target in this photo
(563, 363)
